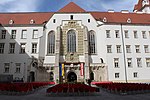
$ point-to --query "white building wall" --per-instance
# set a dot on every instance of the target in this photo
(23, 59)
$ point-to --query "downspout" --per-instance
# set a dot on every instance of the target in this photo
(124, 54)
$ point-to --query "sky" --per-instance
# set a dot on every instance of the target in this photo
(55, 5)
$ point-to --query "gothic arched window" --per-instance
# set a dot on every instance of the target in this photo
(71, 41)
(91, 36)
(51, 42)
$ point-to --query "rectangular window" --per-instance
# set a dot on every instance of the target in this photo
(148, 62)
(13, 34)
(54, 20)
(135, 34)
(109, 49)
(18, 67)
(117, 33)
(2, 48)
(128, 48)
(118, 47)
(6, 67)
(12, 48)
(144, 34)
(34, 48)
(89, 20)
(129, 61)
(137, 48)
(71, 17)
(107, 33)
(24, 34)
(116, 75)
(116, 62)
(126, 34)
(139, 62)
(146, 49)
(3, 34)
(135, 74)
(35, 34)
(22, 48)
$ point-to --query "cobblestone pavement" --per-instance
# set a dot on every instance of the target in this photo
(102, 95)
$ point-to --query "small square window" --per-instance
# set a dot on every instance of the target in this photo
(135, 74)
(116, 75)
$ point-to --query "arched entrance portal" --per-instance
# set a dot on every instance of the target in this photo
(71, 77)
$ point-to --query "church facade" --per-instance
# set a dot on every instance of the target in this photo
(74, 45)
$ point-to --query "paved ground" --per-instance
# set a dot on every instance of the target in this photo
(41, 95)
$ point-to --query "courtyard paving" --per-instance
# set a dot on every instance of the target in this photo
(102, 95)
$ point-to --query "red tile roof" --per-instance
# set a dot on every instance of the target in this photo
(40, 18)
(118, 17)
(24, 18)
(138, 6)
(71, 7)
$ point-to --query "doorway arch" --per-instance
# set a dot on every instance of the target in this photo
(91, 76)
(51, 76)
(71, 77)
(32, 76)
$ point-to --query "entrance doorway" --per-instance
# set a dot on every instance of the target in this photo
(71, 77)
(32, 76)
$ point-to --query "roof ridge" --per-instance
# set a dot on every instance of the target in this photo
(71, 7)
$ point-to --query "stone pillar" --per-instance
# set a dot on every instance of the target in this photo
(86, 55)
(57, 53)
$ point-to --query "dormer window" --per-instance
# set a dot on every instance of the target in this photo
(11, 22)
(32, 21)
(104, 19)
(128, 20)
(145, 2)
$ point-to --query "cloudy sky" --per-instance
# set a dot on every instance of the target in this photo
(54, 5)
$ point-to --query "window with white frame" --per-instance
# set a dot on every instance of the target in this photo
(34, 47)
(24, 34)
(3, 34)
(116, 62)
(18, 65)
(118, 47)
(35, 34)
(126, 34)
(109, 49)
(135, 34)
(144, 34)
(91, 35)
(117, 34)
(12, 48)
(135, 74)
(146, 49)
(128, 48)
(51, 42)
(13, 34)
(2, 48)
(71, 41)
(148, 62)
(6, 67)
(137, 48)
(107, 33)
(129, 62)
(116, 75)
(139, 62)
(22, 48)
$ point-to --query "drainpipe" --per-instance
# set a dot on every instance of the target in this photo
(124, 54)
